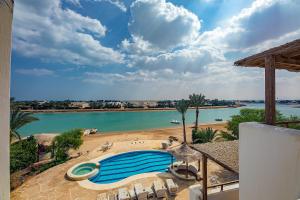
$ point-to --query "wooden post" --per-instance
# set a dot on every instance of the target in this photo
(187, 169)
(204, 175)
(270, 99)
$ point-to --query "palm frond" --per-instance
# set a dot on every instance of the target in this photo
(19, 119)
(227, 136)
(197, 100)
(182, 106)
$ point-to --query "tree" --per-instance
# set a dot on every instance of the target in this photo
(205, 135)
(182, 106)
(17, 120)
(197, 100)
(66, 141)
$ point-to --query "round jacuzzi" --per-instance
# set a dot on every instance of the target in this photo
(83, 171)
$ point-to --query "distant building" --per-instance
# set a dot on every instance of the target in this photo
(143, 104)
(81, 105)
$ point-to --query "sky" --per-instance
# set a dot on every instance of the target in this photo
(148, 49)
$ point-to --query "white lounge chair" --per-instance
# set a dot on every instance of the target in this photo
(112, 197)
(172, 187)
(102, 196)
(150, 192)
(140, 191)
(159, 189)
(132, 194)
(123, 194)
(106, 146)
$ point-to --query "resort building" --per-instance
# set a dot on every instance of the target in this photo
(80, 105)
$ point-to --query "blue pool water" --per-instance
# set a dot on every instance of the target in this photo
(124, 165)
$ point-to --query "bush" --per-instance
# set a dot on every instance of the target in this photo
(204, 135)
(248, 115)
(66, 141)
(23, 154)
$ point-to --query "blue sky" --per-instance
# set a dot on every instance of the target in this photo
(148, 49)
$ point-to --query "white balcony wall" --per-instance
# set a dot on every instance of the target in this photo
(228, 194)
(5, 54)
(269, 159)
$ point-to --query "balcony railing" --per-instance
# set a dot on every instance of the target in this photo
(221, 185)
(287, 123)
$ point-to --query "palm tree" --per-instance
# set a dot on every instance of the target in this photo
(197, 100)
(17, 120)
(206, 135)
(182, 106)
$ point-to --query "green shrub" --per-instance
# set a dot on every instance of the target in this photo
(204, 135)
(66, 141)
(23, 153)
(248, 115)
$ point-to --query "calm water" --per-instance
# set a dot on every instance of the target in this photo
(126, 121)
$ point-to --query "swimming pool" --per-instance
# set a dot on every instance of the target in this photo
(121, 166)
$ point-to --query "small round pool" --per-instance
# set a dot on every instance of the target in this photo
(122, 166)
(83, 171)
(84, 168)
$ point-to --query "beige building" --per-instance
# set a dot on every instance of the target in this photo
(81, 105)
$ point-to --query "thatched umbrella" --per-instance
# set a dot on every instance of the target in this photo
(185, 153)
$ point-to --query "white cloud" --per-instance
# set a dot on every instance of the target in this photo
(75, 2)
(36, 72)
(118, 3)
(264, 20)
(163, 24)
(161, 38)
(183, 60)
(137, 46)
(45, 30)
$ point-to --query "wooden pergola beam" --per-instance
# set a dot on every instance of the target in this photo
(287, 61)
(270, 98)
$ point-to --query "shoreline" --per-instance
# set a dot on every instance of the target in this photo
(123, 110)
(46, 137)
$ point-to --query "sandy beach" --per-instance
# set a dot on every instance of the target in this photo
(149, 134)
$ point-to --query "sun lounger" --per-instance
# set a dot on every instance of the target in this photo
(140, 191)
(150, 192)
(159, 189)
(123, 194)
(132, 194)
(102, 196)
(106, 146)
(171, 186)
(112, 197)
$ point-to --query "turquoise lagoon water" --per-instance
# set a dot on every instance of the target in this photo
(127, 121)
(123, 165)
